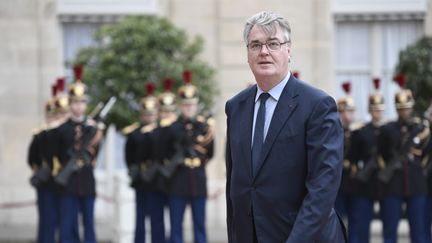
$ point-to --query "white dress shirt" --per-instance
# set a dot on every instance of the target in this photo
(271, 103)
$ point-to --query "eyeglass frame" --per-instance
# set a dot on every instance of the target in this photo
(266, 44)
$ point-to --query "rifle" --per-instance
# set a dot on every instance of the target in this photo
(183, 148)
(41, 176)
(387, 173)
(167, 170)
(150, 172)
(400, 155)
(82, 155)
(146, 175)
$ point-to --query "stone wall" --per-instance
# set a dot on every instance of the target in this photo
(30, 60)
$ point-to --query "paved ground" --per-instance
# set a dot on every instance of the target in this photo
(25, 234)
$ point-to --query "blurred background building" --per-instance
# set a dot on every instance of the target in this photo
(333, 41)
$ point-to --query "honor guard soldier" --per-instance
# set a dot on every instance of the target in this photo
(142, 170)
(163, 149)
(163, 137)
(40, 159)
(194, 147)
(346, 110)
(401, 145)
(364, 148)
(77, 145)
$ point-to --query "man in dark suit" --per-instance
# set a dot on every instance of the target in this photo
(284, 158)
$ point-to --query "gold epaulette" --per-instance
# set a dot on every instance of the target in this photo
(40, 129)
(55, 124)
(211, 121)
(383, 122)
(166, 122)
(201, 118)
(130, 128)
(148, 128)
(357, 126)
(36, 131)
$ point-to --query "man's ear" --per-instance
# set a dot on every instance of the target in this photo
(289, 49)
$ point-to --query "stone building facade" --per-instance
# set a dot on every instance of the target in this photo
(32, 55)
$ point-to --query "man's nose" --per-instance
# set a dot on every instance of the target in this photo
(264, 50)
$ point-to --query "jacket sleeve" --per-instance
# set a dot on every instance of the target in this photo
(324, 144)
(228, 161)
(33, 158)
(130, 150)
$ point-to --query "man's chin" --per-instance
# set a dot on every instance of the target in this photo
(264, 73)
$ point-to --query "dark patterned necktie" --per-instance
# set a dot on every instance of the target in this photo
(258, 138)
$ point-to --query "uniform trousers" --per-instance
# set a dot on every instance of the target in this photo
(177, 205)
(71, 207)
(391, 212)
(428, 219)
(149, 204)
(360, 214)
(48, 204)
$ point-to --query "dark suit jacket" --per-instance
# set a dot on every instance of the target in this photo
(291, 197)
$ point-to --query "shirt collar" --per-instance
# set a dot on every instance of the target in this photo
(276, 91)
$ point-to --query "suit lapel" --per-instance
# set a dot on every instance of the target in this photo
(245, 127)
(284, 109)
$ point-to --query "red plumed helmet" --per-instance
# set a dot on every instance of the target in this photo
(150, 88)
(168, 83)
(54, 90)
(376, 82)
(400, 79)
(60, 84)
(296, 74)
(187, 76)
(78, 71)
(346, 87)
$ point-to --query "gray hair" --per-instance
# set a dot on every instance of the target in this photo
(268, 21)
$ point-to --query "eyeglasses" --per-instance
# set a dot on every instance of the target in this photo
(271, 45)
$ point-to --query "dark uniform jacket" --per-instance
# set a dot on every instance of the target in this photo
(427, 157)
(399, 143)
(131, 149)
(364, 150)
(34, 154)
(190, 177)
(139, 156)
(346, 181)
(41, 154)
(69, 138)
(163, 151)
(34, 159)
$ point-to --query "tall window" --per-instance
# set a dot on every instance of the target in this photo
(368, 49)
(77, 36)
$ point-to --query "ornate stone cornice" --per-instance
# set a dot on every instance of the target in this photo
(346, 17)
